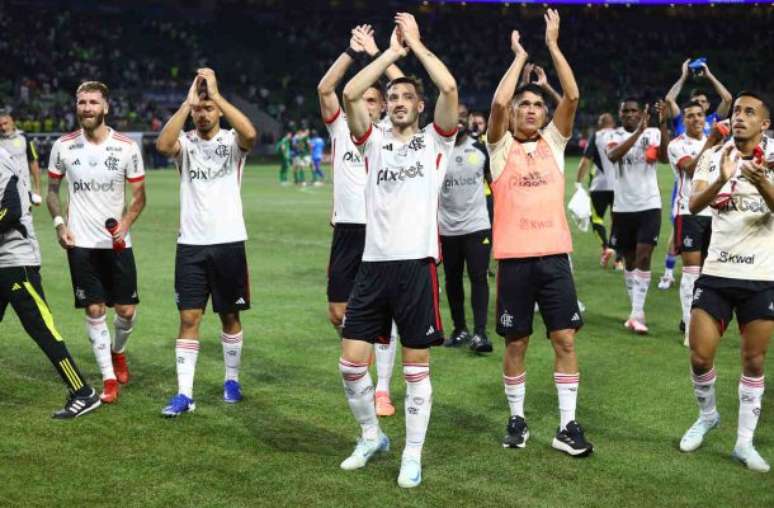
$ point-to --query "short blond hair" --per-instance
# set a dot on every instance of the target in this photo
(93, 86)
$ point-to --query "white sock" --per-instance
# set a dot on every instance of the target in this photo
(704, 390)
(567, 390)
(629, 283)
(750, 395)
(385, 360)
(515, 390)
(123, 328)
(640, 292)
(687, 280)
(186, 351)
(419, 401)
(99, 335)
(360, 396)
(232, 354)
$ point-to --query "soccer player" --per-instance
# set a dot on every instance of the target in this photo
(318, 145)
(283, 150)
(602, 178)
(635, 149)
(24, 155)
(466, 236)
(98, 164)
(737, 183)
(397, 278)
(692, 232)
(20, 286)
(301, 155)
(349, 209)
(210, 258)
(700, 96)
(532, 240)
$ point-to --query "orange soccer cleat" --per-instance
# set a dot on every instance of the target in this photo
(383, 404)
(109, 391)
(120, 367)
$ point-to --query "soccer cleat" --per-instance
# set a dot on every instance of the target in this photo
(178, 405)
(681, 326)
(604, 259)
(109, 391)
(120, 367)
(694, 436)
(365, 450)
(410, 474)
(750, 458)
(457, 338)
(666, 281)
(638, 326)
(383, 404)
(232, 391)
(517, 433)
(572, 441)
(480, 343)
(78, 406)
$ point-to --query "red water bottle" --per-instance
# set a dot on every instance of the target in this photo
(112, 226)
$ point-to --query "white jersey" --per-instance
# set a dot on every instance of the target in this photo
(210, 184)
(96, 176)
(604, 170)
(463, 203)
(404, 182)
(349, 175)
(636, 181)
(685, 148)
(742, 243)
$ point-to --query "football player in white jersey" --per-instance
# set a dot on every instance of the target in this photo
(210, 258)
(397, 278)
(349, 213)
(737, 183)
(98, 162)
(24, 154)
(635, 149)
(691, 232)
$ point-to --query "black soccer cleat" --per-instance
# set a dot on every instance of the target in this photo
(78, 406)
(682, 326)
(457, 338)
(480, 343)
(572, 441)
(517, 433)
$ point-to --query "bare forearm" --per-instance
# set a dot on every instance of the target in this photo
(238, 121)
(583, 169)
(167, 139)
(52, 198)
(371, 73)
(564, 72)
(725, 96)
(136, 206)
(435, 68)
(393, 72)
(498, 116)
(673, 93)
(701, 198)
(35, 174)
(618, 152)
(335, 73)
(663, 155)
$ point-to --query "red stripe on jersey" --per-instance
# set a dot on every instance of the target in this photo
(123, 140)
(438, 161)
(446, 134)
(54, 175)
(679, 232)
(71, 135)
(436, 306)
(333, 117)
(611, 145)
(362, 139)
(136, 179)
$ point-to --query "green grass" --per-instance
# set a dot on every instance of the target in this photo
(283, 444)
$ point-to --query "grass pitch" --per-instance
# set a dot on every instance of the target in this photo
(283, 444)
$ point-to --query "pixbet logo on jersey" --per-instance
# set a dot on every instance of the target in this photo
(208, 174)
(352, 157)
(93, 186)
(461, 181)
(388, 175)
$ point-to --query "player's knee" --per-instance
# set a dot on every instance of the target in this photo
(701, 363)
(516, 346)
(752, 363)
(190, 320)
(96, 310)
(563, 342)
(126, 311)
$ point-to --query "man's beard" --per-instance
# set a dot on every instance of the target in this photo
(410, 119)
(98, 120)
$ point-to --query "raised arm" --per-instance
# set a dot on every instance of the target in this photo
(366, 39)
(246, 133)
(705, 193)
(617, 153)
(357, 112)
(542, 82)
(445, 115)
(725, 96)
(662, 109)
(499, 114)
(674, 92)
(326, 89)
(689, 166)
(167, 143)
(564, 117)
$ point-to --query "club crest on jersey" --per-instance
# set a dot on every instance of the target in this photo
(417, 143)
(388, 175)
(111, 163)
(221, 151)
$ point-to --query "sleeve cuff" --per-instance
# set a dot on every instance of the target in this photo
(332, 118)
(445, 134)
(55, 176)
(683, 160)
(362, 139)
(136, 179)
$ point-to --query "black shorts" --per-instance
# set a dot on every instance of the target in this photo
(601, 201)
(406, 291)
(346, 254)
(720, 297)
(103, 276)
(219, 270)
(693, 233)
(546, 280)
(20, 287)
(633, 228)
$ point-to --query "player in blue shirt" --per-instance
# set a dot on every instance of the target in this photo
(318, 145)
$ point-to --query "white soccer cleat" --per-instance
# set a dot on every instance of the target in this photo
(365, 449)
(410, 473)
(638, 326)
(750, 459)
(666, 281)
(694, 436)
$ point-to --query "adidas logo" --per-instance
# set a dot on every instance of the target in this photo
(240, 301)
(15, 287)
(575, 317)
(430, 330)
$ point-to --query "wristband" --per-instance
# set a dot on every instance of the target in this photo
(352, 53)
(376, 55)
(58, 221)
